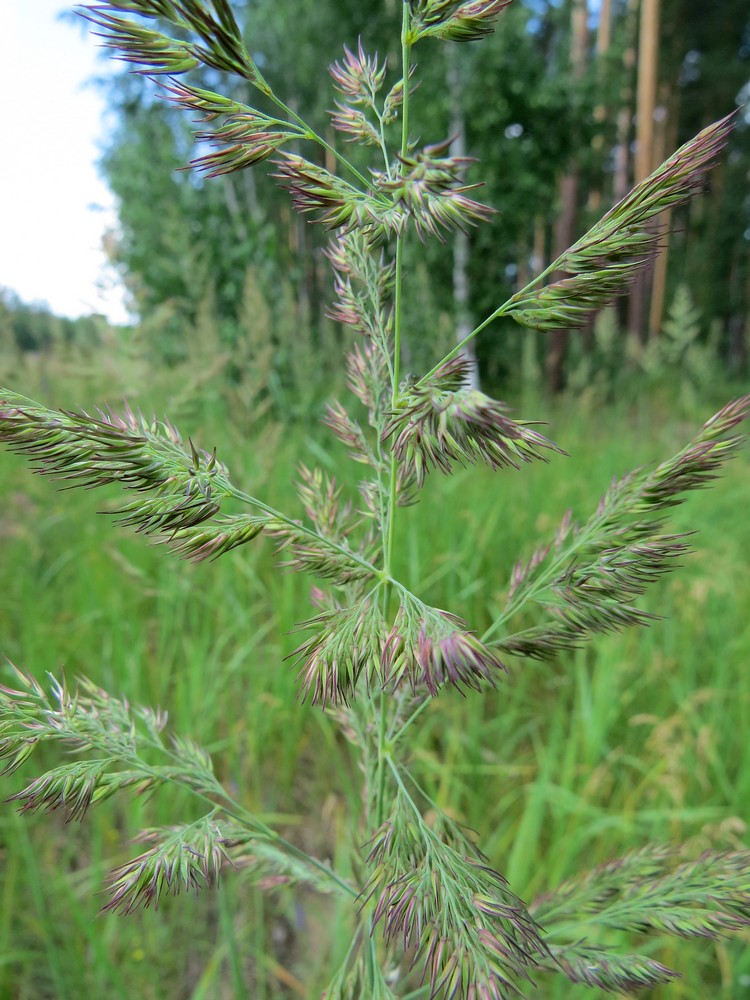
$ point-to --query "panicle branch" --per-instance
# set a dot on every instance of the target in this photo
(599, 266)
(587, 580)
(359, 78)
(321, 497)
(698, 464)
(437, 424)
(433, 892)
(363, 285)
(151, 50)
(245, 136)
(336, 203)
(118, 745)
(137, 454)
(344, 646)
(428, 189)
(212, 539)
(652, 890)
(270, 866)
(333, 521)
(601, 968)
(85, 718)
(350, 433)
(649, 891)
(216, 38)
(310, 553)
(355, 125)
(88, 720)
(74, 788)
(181, 858)
(367, 378)
(455, 20)
(429, 648)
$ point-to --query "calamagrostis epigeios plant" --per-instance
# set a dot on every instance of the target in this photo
(424, 898)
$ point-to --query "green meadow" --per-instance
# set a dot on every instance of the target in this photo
(638, 737)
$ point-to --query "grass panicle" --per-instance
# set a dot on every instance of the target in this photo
(137, 454)
(335, 203)
(217, 41)
(428, 648)
(428, 190)
(455, 20)
(428, 914)
(584, 582)
(600, 265)
(437, 425)
(433, 894)
(179, 859)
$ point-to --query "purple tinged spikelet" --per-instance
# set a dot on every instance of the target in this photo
(430, 648)
(438, 424)
(456, 20)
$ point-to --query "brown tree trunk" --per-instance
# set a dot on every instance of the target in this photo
(739, 321)
(461, 291)
(648, 63)
(648, 70)
(568, 196)
(603, 41)
(625, 114)
(665, 135)
(564, 235)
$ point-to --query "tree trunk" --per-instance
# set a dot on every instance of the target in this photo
(665, 137)
(461, 289)
(739, 321)
(603, 41)
(648, 70)
(648, 63)
(625, 114)
(568, 196)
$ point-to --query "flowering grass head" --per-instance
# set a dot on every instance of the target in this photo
(425, 906)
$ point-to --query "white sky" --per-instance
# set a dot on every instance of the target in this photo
(54, 208)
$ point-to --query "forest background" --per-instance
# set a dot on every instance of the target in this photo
(565, 106)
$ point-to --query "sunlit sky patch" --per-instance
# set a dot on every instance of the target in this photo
(54, 208)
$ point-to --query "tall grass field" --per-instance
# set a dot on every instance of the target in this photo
(639, 737)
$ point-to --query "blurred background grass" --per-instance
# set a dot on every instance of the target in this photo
(636, 738)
